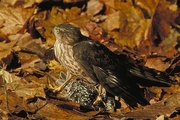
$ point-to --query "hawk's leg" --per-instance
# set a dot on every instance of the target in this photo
(68, 78)
(99, 97)
(107, 100)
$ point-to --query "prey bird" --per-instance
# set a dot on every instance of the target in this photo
(92, 61)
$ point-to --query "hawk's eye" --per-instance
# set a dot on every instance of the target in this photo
(57, 31)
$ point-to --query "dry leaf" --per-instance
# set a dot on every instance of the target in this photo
(8, 78)
(157, 63)
(148, 7)
(6, 55)
(96, 32)
(34, 46)
(113, 21)
(14, 19)
(162, 21)
(166, 107)
(94, 7)
(30, 64)
(128, 23)
(13, 2)
(8, 105)
(26, 90)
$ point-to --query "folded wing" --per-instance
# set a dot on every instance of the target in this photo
(104, 67)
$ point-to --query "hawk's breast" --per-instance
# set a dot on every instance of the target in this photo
(64, 54)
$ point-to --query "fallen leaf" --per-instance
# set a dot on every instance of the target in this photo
(34, 46)
(7, 77)
(166, 107)
(147, 7)
(26, 90)
(13, 2)
(115, 19)
(170, 42)
(30, 64)
(94, 7)
(157, 63)
(6, 55)
(127, 25)
(14, 19)
(162, 21)
(96, 32)
(9, 102)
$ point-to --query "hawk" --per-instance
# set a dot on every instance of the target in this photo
(88, 59)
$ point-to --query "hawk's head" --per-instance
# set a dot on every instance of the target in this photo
(66, 33)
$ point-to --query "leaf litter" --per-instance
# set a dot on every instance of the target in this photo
(147, 31)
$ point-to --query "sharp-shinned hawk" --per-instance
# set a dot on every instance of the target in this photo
(92, 61)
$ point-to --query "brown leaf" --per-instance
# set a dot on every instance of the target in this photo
(30, 64)
(13, 2)
(162, 21)
(14, 19)
(169, 43)
(113, 18)
(27, 44)
(157, 91)
(127, 25)
(166, 107)
(16, 92)
(51, 111)
(147, 7)
(173, 89)
(26, 90)
(6, 55)
(96, 32)
(145, 47)
(7, 77)
(12, 102)
(30, 27)
(94, 7)
(157, 63)
(75, 16)
(34, 46)
(1, 23)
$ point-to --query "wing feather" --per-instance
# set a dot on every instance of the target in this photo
(103, 66)
(114, 72)
(118, 85)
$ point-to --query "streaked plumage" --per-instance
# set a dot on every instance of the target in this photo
(64, 53)
(86, 56)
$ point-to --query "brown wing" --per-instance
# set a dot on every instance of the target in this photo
(103, 66)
